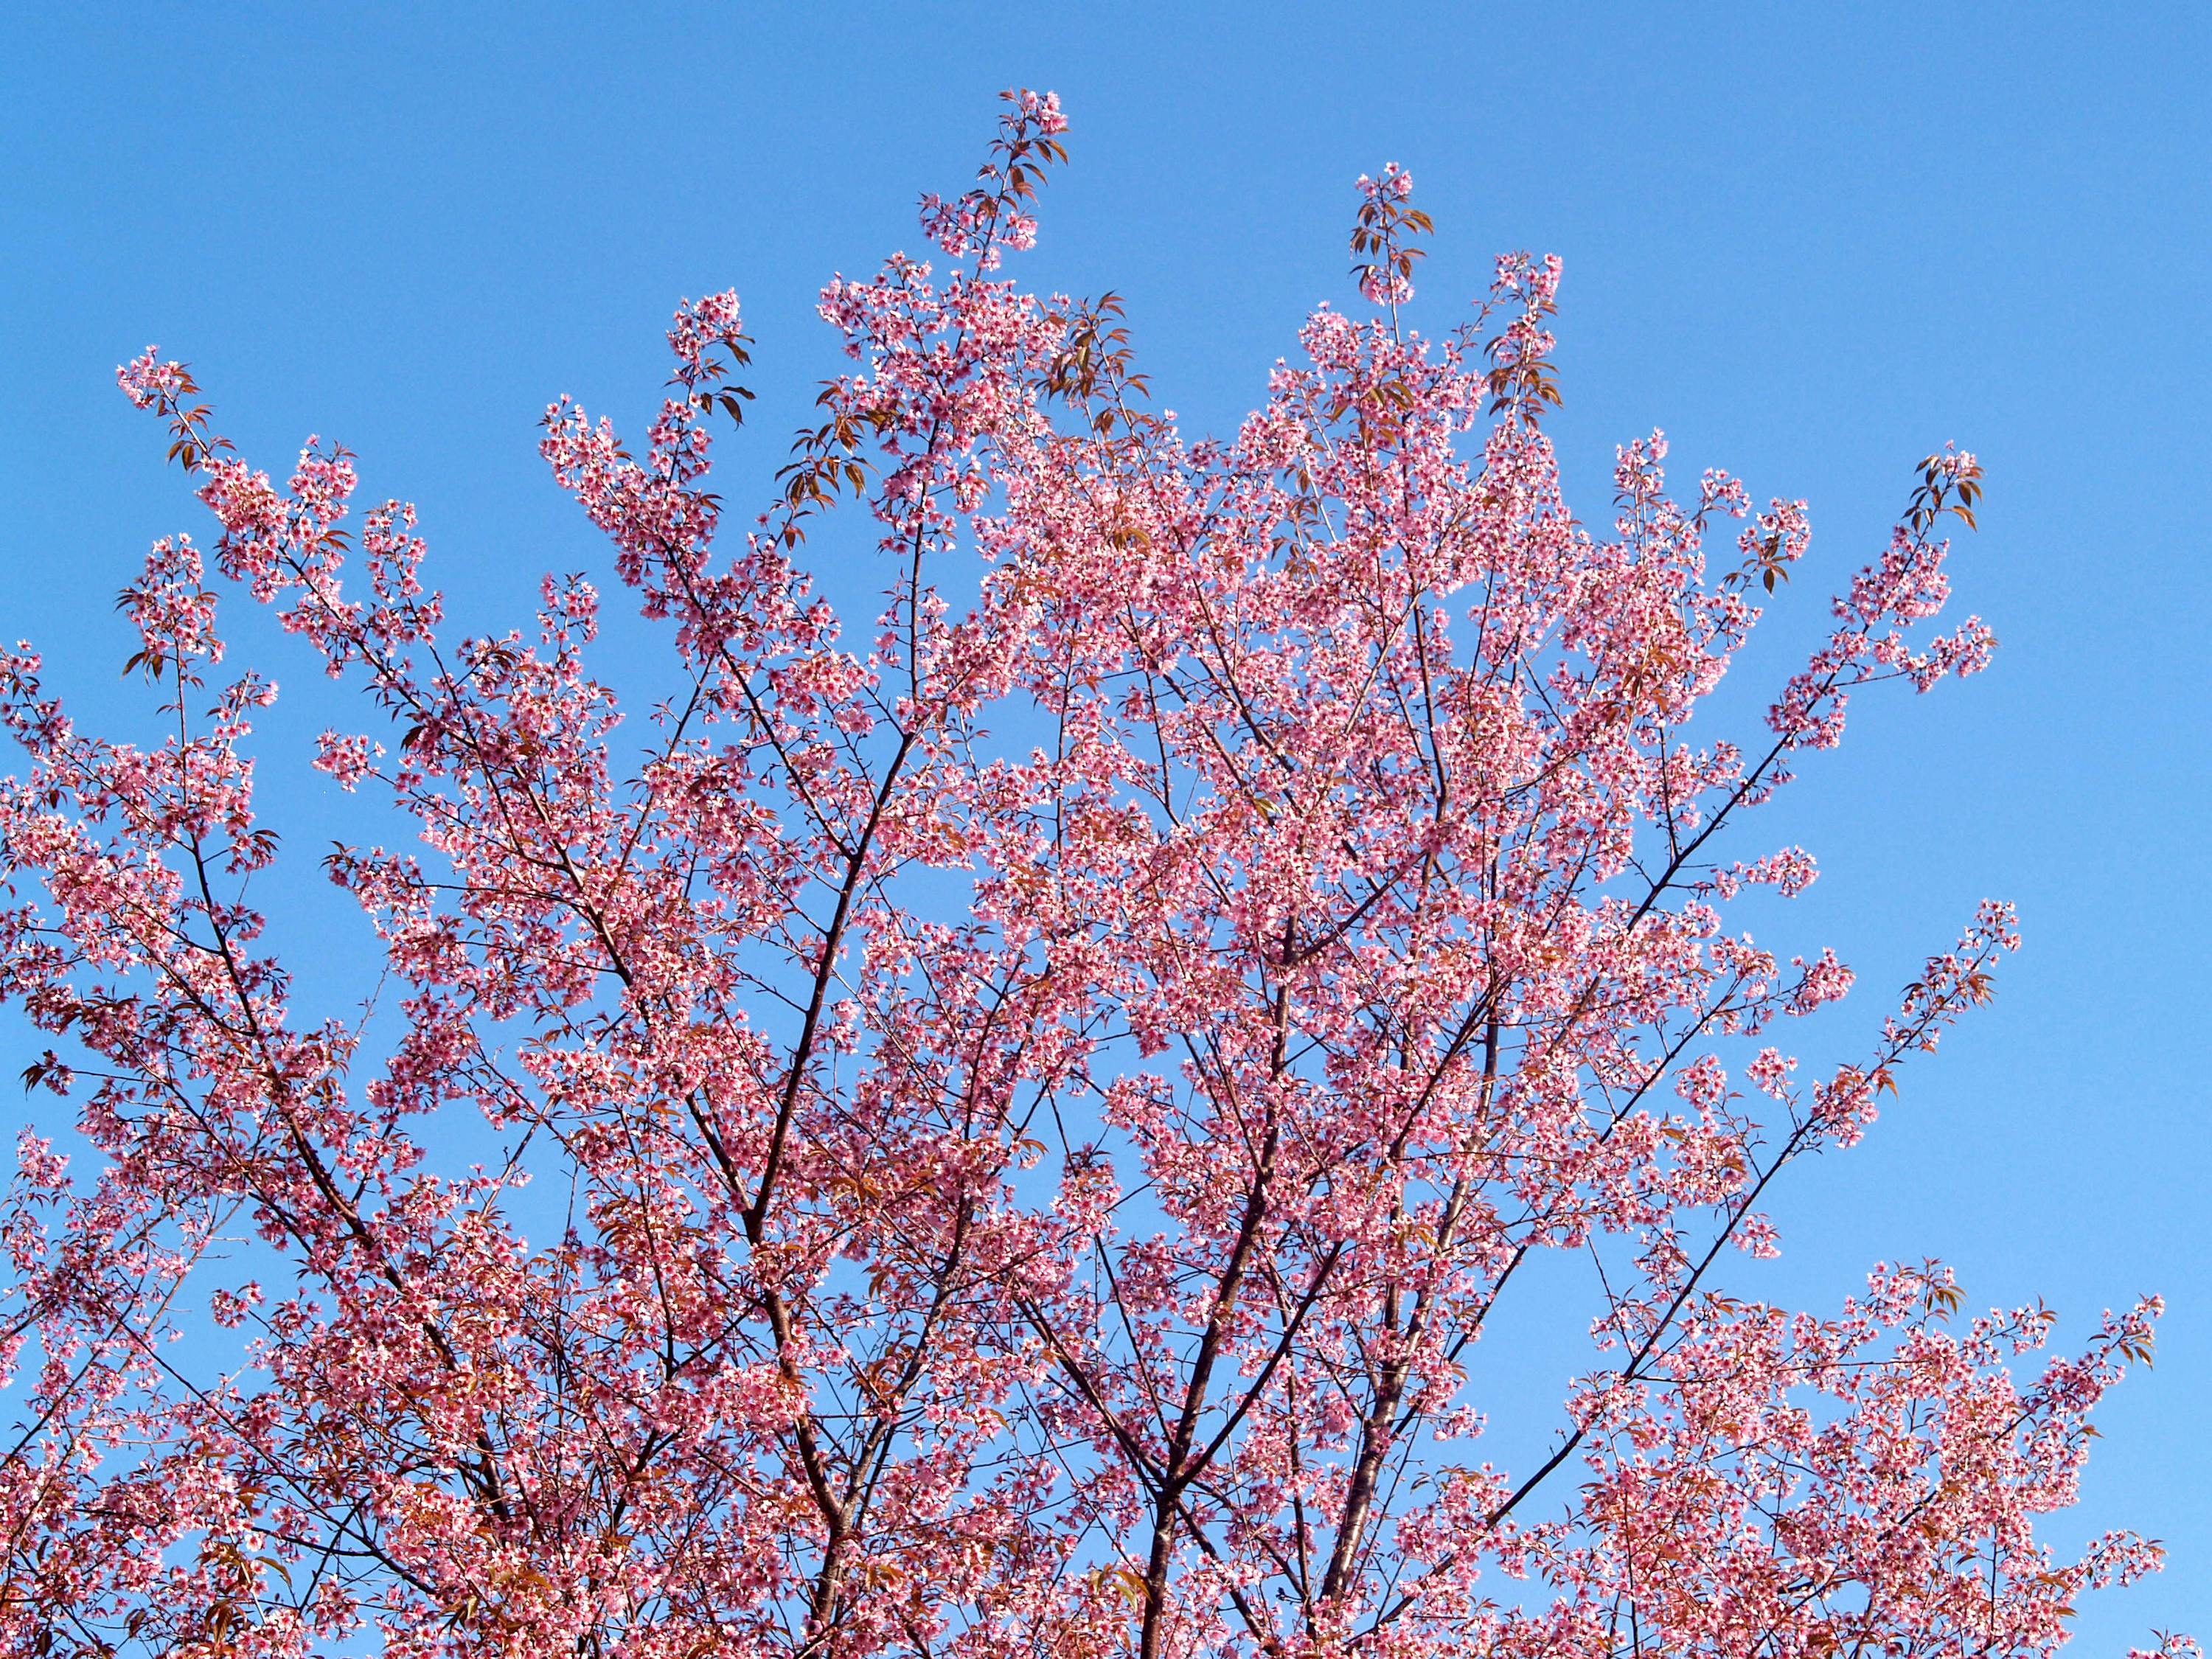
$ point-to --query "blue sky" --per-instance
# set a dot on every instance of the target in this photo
(1810, 246)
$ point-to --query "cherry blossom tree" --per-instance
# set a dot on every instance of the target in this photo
(996, 1135)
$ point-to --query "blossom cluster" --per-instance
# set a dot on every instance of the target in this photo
(994, 1133)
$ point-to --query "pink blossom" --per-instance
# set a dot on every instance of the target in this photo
(994, 1127)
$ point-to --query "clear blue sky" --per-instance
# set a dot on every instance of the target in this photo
(1811, 246)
